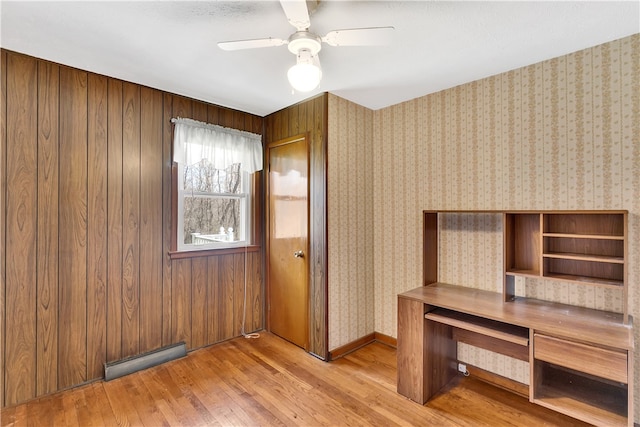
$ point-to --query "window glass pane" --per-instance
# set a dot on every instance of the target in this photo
(212, 219)
(203, 177)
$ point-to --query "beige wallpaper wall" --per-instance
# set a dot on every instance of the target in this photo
(561, 134)
(350, 222)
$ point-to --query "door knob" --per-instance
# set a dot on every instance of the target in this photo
(298, 254)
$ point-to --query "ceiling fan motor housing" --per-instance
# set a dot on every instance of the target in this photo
(304, 40)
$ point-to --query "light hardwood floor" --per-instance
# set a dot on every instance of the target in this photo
(268, 381)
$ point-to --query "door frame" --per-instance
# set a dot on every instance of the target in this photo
(267, 228)
(311, 116)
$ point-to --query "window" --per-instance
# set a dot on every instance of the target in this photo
(213, 181)
(213, 206)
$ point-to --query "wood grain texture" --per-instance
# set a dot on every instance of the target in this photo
(311, 116)
(249, 304)
(386, 339)
(499, 381)
(21, 226)
(199, 111)
(47, 242)
(167, 219)
(256, 302)
(598, 327)
(270, 382)
(86, 205)
(488, 328)
(114, 220)
(181, 269)
(228, 118)
(238, 292)
(606, 224)
(411, 355)
(181, 301)
(3, 220)
(604, 363)
(131, 220)
(213, 314)
(200, 303)
(352, 346)
(522, 237)
(584, 397)
(151, 253)
(199, 270)
(288, 277)
(593, 344)
(72, 357)
(225, 296)
(430, 248)
(97, 156)
(440, 363)
(317, 124)
(182, 107)
(217, 294)
(496, 345)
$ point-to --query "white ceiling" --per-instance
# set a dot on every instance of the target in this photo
(171, 45)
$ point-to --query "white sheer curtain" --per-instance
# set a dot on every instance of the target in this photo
(194, 141)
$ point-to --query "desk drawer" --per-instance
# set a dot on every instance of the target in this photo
(610, 364)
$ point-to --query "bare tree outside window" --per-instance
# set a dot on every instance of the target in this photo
(211, 206)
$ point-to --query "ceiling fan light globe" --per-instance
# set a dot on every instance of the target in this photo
(304, 77)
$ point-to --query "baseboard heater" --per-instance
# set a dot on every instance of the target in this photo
(133, 364)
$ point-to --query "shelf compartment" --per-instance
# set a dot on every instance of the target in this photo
(522, 242)
(600, 224)
(498, 337)
(596, 247)
(588, 398)
(591, 272)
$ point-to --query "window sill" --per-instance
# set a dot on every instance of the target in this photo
(212, 252)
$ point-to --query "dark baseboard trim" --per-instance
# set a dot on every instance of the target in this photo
(352, 346)
(361, 342)
(386, 339)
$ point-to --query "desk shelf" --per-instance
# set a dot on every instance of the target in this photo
(580, 359)
(587, 398)
(582, 247)
(490, 328)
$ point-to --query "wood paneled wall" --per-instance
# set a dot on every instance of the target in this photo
(86, 219)
(311, 117)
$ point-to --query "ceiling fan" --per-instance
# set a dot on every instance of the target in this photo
(306, 74)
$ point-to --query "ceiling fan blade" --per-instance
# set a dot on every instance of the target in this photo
(375, 36)
(251, 44)
(297, 13)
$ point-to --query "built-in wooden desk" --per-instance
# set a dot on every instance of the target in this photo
(581, 360)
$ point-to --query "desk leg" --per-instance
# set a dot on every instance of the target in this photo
(426, 353)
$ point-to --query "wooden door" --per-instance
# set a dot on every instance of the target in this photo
(287, 240)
